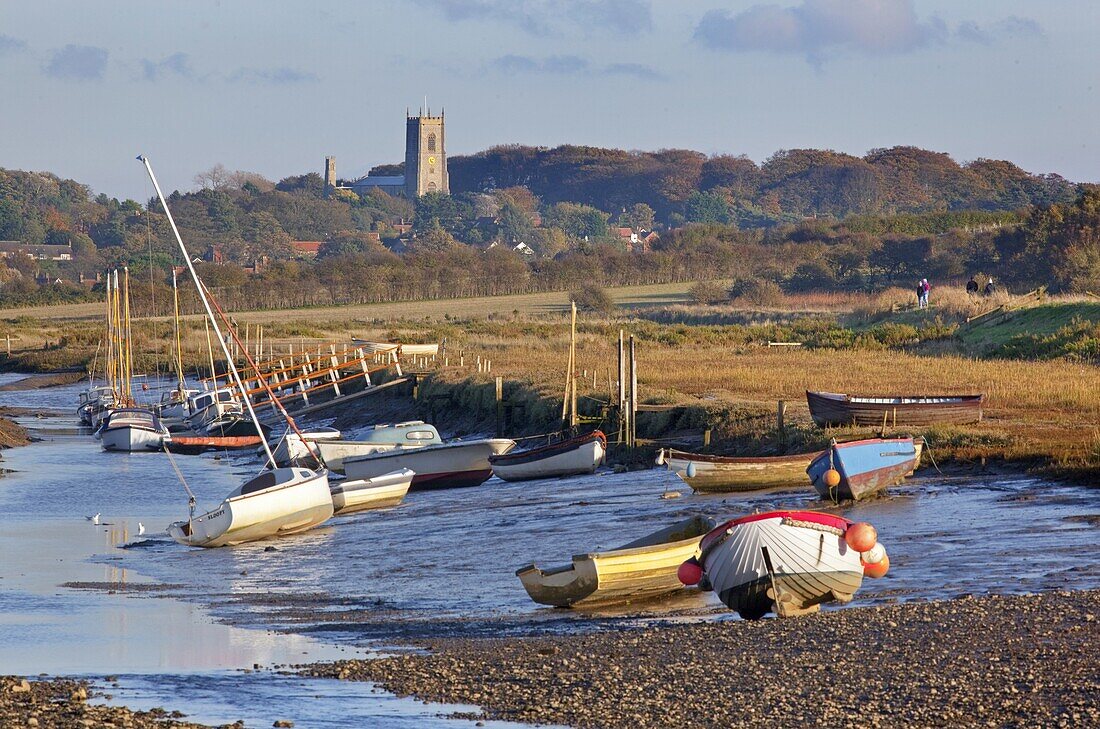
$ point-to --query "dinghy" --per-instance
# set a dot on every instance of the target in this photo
(278, 501)
(293, 448)
(786, 562)
(449, 465)
(132, 430)
(640, 570)
(862, 468)
(353, 495)
(834, 408)
(723, 474)
(377, 438)
(574, 456)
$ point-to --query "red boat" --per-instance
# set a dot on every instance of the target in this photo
(192, 445)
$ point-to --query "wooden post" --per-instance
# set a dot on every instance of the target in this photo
(633, 410)
(780, 411)
(706, 438)
(500, 406)
(8, 338)
(621, 385)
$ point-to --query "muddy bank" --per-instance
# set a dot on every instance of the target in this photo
(48, 379)
(12, 434)
(1024, 661)
(61, 703)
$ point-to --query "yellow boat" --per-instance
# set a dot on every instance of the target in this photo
(641, 570)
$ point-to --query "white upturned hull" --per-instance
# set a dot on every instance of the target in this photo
(585, 458)
(130, 438)
(353, 495)
(449, 465)
(810, 563)
(281, 510)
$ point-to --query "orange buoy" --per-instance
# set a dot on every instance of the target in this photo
(832, 478)
(690, 572)
(861, 536)
(878, 569)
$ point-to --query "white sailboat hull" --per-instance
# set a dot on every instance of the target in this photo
(283, 509)
(292, 447)
(782, 562)
(449, 465)
(354, 495)
(130, 438)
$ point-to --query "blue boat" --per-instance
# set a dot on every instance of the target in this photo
(864, 467)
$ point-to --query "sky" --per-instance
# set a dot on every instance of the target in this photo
(273, 87)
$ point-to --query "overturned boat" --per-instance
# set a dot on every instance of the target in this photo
(353, 495)
(570, 457)
(725, 474)
(786, 562)
(640, 570)
(862, 468)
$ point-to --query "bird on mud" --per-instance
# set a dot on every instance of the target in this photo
(93, 519)
(141, 528)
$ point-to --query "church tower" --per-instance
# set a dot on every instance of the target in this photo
(425, 155)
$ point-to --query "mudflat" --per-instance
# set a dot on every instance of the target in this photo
(1000, 660)
(62, 703)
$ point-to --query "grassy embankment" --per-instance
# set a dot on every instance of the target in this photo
(1044, 411)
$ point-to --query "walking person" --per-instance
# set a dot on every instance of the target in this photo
(925, 288)
(972, 286)
(920, 295)
(989, 288)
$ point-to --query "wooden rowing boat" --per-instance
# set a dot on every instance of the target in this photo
(724, 474)
(190, 445)
(864, 467)
(640, 570)
(837, 409)
(354, 495)
(571, 457)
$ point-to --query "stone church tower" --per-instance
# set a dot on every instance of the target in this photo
(425, 156)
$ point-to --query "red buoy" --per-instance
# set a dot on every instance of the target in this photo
(861, 536)
(690, 572)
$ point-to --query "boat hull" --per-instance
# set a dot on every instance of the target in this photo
(451, 465)
(131, 439)
(191, 445)
(570, 458)
(866, 467)
(292, 448)
(838, 409)
(412, 434)
(629, 574)
(783, 562)
(279, 511)
(351, 496)
(718, 474)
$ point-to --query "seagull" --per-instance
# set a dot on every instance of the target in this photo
(93, 519)
(141, 528)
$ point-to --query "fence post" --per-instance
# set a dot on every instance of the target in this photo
(500, 405)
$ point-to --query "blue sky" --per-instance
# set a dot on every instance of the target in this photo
(272, 87)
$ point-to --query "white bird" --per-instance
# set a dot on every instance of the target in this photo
(93, 519)
(141, 528)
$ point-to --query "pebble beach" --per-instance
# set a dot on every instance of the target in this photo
(990, 661)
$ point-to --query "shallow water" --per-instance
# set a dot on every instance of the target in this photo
(443, 562)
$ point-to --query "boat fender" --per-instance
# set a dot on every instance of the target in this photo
(690, 470)
(832, 478)
(878, 569)
(690, 572)
(874, 555)
(660, 457)
(861, 536)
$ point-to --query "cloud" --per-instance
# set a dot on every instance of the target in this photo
(552, 17)
(11, 45)
(177, 64)
(816, 28)
(570, 66)
(276, 76)
(77, 63)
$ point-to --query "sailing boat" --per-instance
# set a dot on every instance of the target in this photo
(174, 403)
(276, 502)
(98, 399)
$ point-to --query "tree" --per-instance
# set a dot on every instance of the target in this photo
(707, 207)
(592, 297)
(215, 178)
(433, 240)
(577, 221)
(638, 216)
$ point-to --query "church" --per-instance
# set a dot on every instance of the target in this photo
(425, 163)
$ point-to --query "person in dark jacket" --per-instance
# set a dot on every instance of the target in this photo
(972, 285)
(989, 289)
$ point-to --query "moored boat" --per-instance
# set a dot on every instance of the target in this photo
(449, 465)
(293, 447)
(787, 562)
(132, 430)
(640, 570)
(838, 409)
(194, 444)
(377, 438)
(277, 502)
(861, 468)
(570, 457)
(725, 474)
(353, 495)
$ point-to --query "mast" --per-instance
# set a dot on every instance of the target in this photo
(129, 381)
(109, 360)
(179, 344)
(120, 366)
(209, 312)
